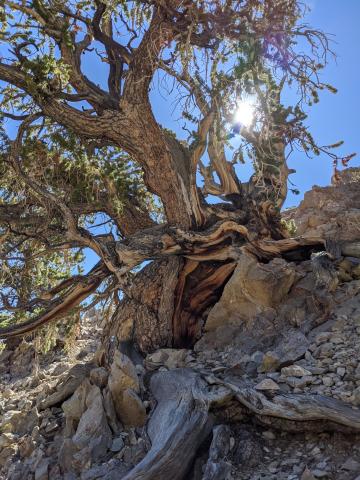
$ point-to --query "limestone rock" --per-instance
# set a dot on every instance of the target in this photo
(6, 439)
(19, 422)
(321, 213)
(99, 376)
(131, 409)
(75, 406)
(270, 362)
(67, 385)
(351, 465)
(26, 446)
(82, 460)
(168, 357)
(110, 411)
(291, 347)
(117, 444)
(294, 371)
(66, 453)
(267, 385)
(253, 289)
(124, 387)
(93, 430)
(123, 375)
(307, 475)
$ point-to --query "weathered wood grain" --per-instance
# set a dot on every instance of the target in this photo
(178, 426)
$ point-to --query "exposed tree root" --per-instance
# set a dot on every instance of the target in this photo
(329, 413)
(179, 424)
(182, 420)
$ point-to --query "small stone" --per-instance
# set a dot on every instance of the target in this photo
(351, 465)
(232, 443)
(317, 370)
(322, 337)
(328, 381)
(320, 473)
(270, 362)
(257, 357)
(299, 383)
(295, 371)
(19, 422)
(267, 384)
(269, 435)
(6, 439)
(117, 444)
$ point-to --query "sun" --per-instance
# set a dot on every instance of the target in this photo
(244, 113)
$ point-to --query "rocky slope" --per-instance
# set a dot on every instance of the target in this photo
(275, 378)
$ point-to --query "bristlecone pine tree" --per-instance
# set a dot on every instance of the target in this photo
(81, 146)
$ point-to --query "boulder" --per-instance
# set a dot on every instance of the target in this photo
(253, 289)
(291, 347)
(93, 430)
(75, 406)
(66, 453)
(122, 375)
(321, 213)
(131, 409)
(109, 408)
(124, 387)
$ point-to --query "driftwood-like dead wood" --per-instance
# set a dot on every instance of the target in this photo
(302, 408)
(217, 468)
(181, 422)
(272, 248)
(178, 426)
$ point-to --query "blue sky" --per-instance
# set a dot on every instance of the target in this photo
(336, 117)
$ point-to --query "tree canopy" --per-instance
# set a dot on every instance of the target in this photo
(76, 152)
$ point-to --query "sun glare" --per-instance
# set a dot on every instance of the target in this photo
(244, 113)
